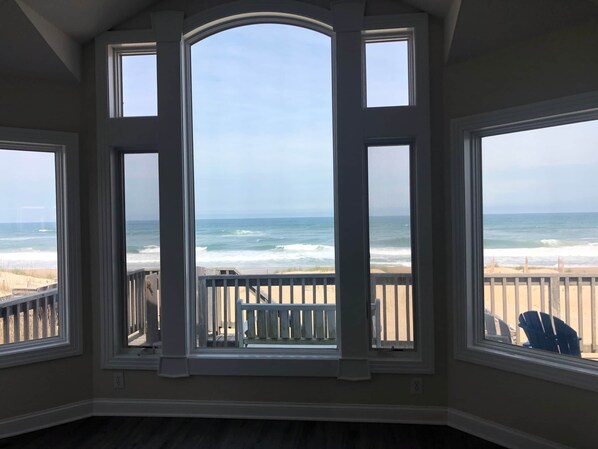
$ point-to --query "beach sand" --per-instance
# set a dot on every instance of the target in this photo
(25, 279)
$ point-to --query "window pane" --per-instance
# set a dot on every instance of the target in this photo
(142, 243)
(29, 290)
(540, 203)
(387, 73)
(139, 85)
(262, 118)
(390, 247)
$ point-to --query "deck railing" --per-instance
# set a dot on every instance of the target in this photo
(216, 316)
(569, 297)
(29, 316)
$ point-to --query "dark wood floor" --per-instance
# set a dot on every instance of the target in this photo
(165, 433)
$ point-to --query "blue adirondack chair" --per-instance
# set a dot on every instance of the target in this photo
(543, 334)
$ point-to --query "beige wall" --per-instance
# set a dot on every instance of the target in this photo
(547, 67)
(39, 104)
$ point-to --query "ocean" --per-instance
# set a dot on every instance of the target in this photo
(274, 244)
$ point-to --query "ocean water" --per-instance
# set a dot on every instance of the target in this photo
(283, 243)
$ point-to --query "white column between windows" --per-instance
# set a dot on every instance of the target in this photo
(168, 26)
(352, 252)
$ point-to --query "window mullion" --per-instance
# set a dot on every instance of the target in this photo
(352, 278)
(168, 29)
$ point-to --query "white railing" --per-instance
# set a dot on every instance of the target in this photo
(570, 297)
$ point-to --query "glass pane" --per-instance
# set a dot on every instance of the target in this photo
(390, 247)
(139, 85)
(387, 73)
(540, 225)
(262, 117)
(29, 299)
(142, 240)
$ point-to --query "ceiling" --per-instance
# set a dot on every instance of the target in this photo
(43, 38)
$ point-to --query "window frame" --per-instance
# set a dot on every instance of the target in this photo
(115, 79)
(374, 35)
(68, 343)
(173, 36)
(469, 342)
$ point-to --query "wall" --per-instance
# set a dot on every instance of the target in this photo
(56, 106)
(547, 67)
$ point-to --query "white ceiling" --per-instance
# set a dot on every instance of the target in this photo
(43, 38)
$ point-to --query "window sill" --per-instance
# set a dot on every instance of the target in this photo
(566, 370)
(24, 353)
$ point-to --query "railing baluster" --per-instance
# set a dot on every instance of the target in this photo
(325, 291)
(593, 313)
(492, 295)
(17, 321)
(408, 308)
(384, 309)
(36, 319)
(396, 288)
(529, 293)
(225, 320)
(236, 297)
(517, 328)
(542, 295)
(504, 299)
(567, 301)
(26, 334)
(45, 317)
(302, 290)
(6, 325)
(54, 310)
(313, 290)
(580, 305)
(214, 315)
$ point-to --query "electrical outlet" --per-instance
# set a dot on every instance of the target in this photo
(417, 385)
(119, 380)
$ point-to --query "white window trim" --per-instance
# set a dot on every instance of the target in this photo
(69, 341)
(114, 134)
(115, 55)
(469, 342)
(405, 123)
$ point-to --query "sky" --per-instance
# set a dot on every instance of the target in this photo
(262, 125)
(27, 187)
(543, 170)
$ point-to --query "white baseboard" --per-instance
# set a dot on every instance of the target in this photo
(45, 418)
(488, 430)
(271, 410)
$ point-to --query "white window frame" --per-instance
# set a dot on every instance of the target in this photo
(169, 133)
(68, 342)
(377, 33)
(115, 80)
(469, 343)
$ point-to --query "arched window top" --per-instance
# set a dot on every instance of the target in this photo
(248, 12)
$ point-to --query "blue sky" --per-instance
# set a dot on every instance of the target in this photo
(27, 187)
(262, 123)
(543, 170)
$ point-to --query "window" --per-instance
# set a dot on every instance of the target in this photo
(388, 69)
(390, 246)
(141, 247)
(38, 285)
(134, 81)
(531, 261)
(263, 187)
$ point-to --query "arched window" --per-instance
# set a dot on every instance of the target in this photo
(263, 182)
